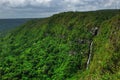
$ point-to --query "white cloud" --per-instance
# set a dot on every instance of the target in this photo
(15, 3)
(12, 3)
(110, 2)
(26, 7)
(113, 4)
(74, 1)
(23, 3)
(46, 3)
(40, 2)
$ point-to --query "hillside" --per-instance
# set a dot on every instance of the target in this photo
(65, 46)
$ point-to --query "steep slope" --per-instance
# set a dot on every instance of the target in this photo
(71, 45)
(105, 63)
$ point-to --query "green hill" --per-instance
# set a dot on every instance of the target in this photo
(65, 46)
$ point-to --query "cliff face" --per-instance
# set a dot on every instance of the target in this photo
(71, 45)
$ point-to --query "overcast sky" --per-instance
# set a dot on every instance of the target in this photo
(45, 8)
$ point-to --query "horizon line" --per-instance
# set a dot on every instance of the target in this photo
(58, 13)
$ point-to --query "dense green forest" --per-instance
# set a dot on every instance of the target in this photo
(65, 46)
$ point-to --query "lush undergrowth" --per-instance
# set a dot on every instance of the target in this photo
(58, 47)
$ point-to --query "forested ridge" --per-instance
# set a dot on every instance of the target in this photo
(65, 46)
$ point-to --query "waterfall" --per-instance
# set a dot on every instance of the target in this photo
(94, 32)
(90, 54)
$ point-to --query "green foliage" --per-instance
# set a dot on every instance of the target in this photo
(57, 48)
